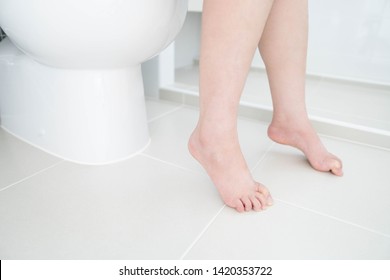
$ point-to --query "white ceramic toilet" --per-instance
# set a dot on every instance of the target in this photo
(70, 74)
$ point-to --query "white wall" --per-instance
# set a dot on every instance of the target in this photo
(195, 5)
(188, 40)
(350, 38)
(347, 39)
(159, 71)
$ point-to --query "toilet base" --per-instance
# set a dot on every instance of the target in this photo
(85, 116)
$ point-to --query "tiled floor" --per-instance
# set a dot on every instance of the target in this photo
(161, 205)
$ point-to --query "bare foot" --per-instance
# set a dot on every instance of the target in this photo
(306, 139)
(226, 166)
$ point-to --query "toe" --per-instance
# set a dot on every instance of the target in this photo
(247, 203)
(270, 200)
(238, 205)
(267, 195)
(260, 188)
(336, 166)
(256, 203)
(263, 200)
(337, 171)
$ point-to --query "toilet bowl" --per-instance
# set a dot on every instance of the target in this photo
(70, 73)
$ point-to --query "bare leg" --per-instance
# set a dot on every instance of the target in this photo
(283, 47)
(231, 31)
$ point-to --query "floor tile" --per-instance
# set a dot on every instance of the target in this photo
(19, 160)
(286, 232)
(170, 136)
(174, 130)
(158, 204)
(361, 196)
(157, 108)
(137, 209)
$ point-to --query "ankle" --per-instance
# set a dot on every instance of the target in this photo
(297, 123)
(209, 136)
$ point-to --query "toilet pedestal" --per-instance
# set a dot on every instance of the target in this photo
(85, 116)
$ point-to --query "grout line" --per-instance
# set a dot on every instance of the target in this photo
(201, 233)
(180, 106)
(173, 164)
(263, 156)
(334, 218)
(32, 175)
